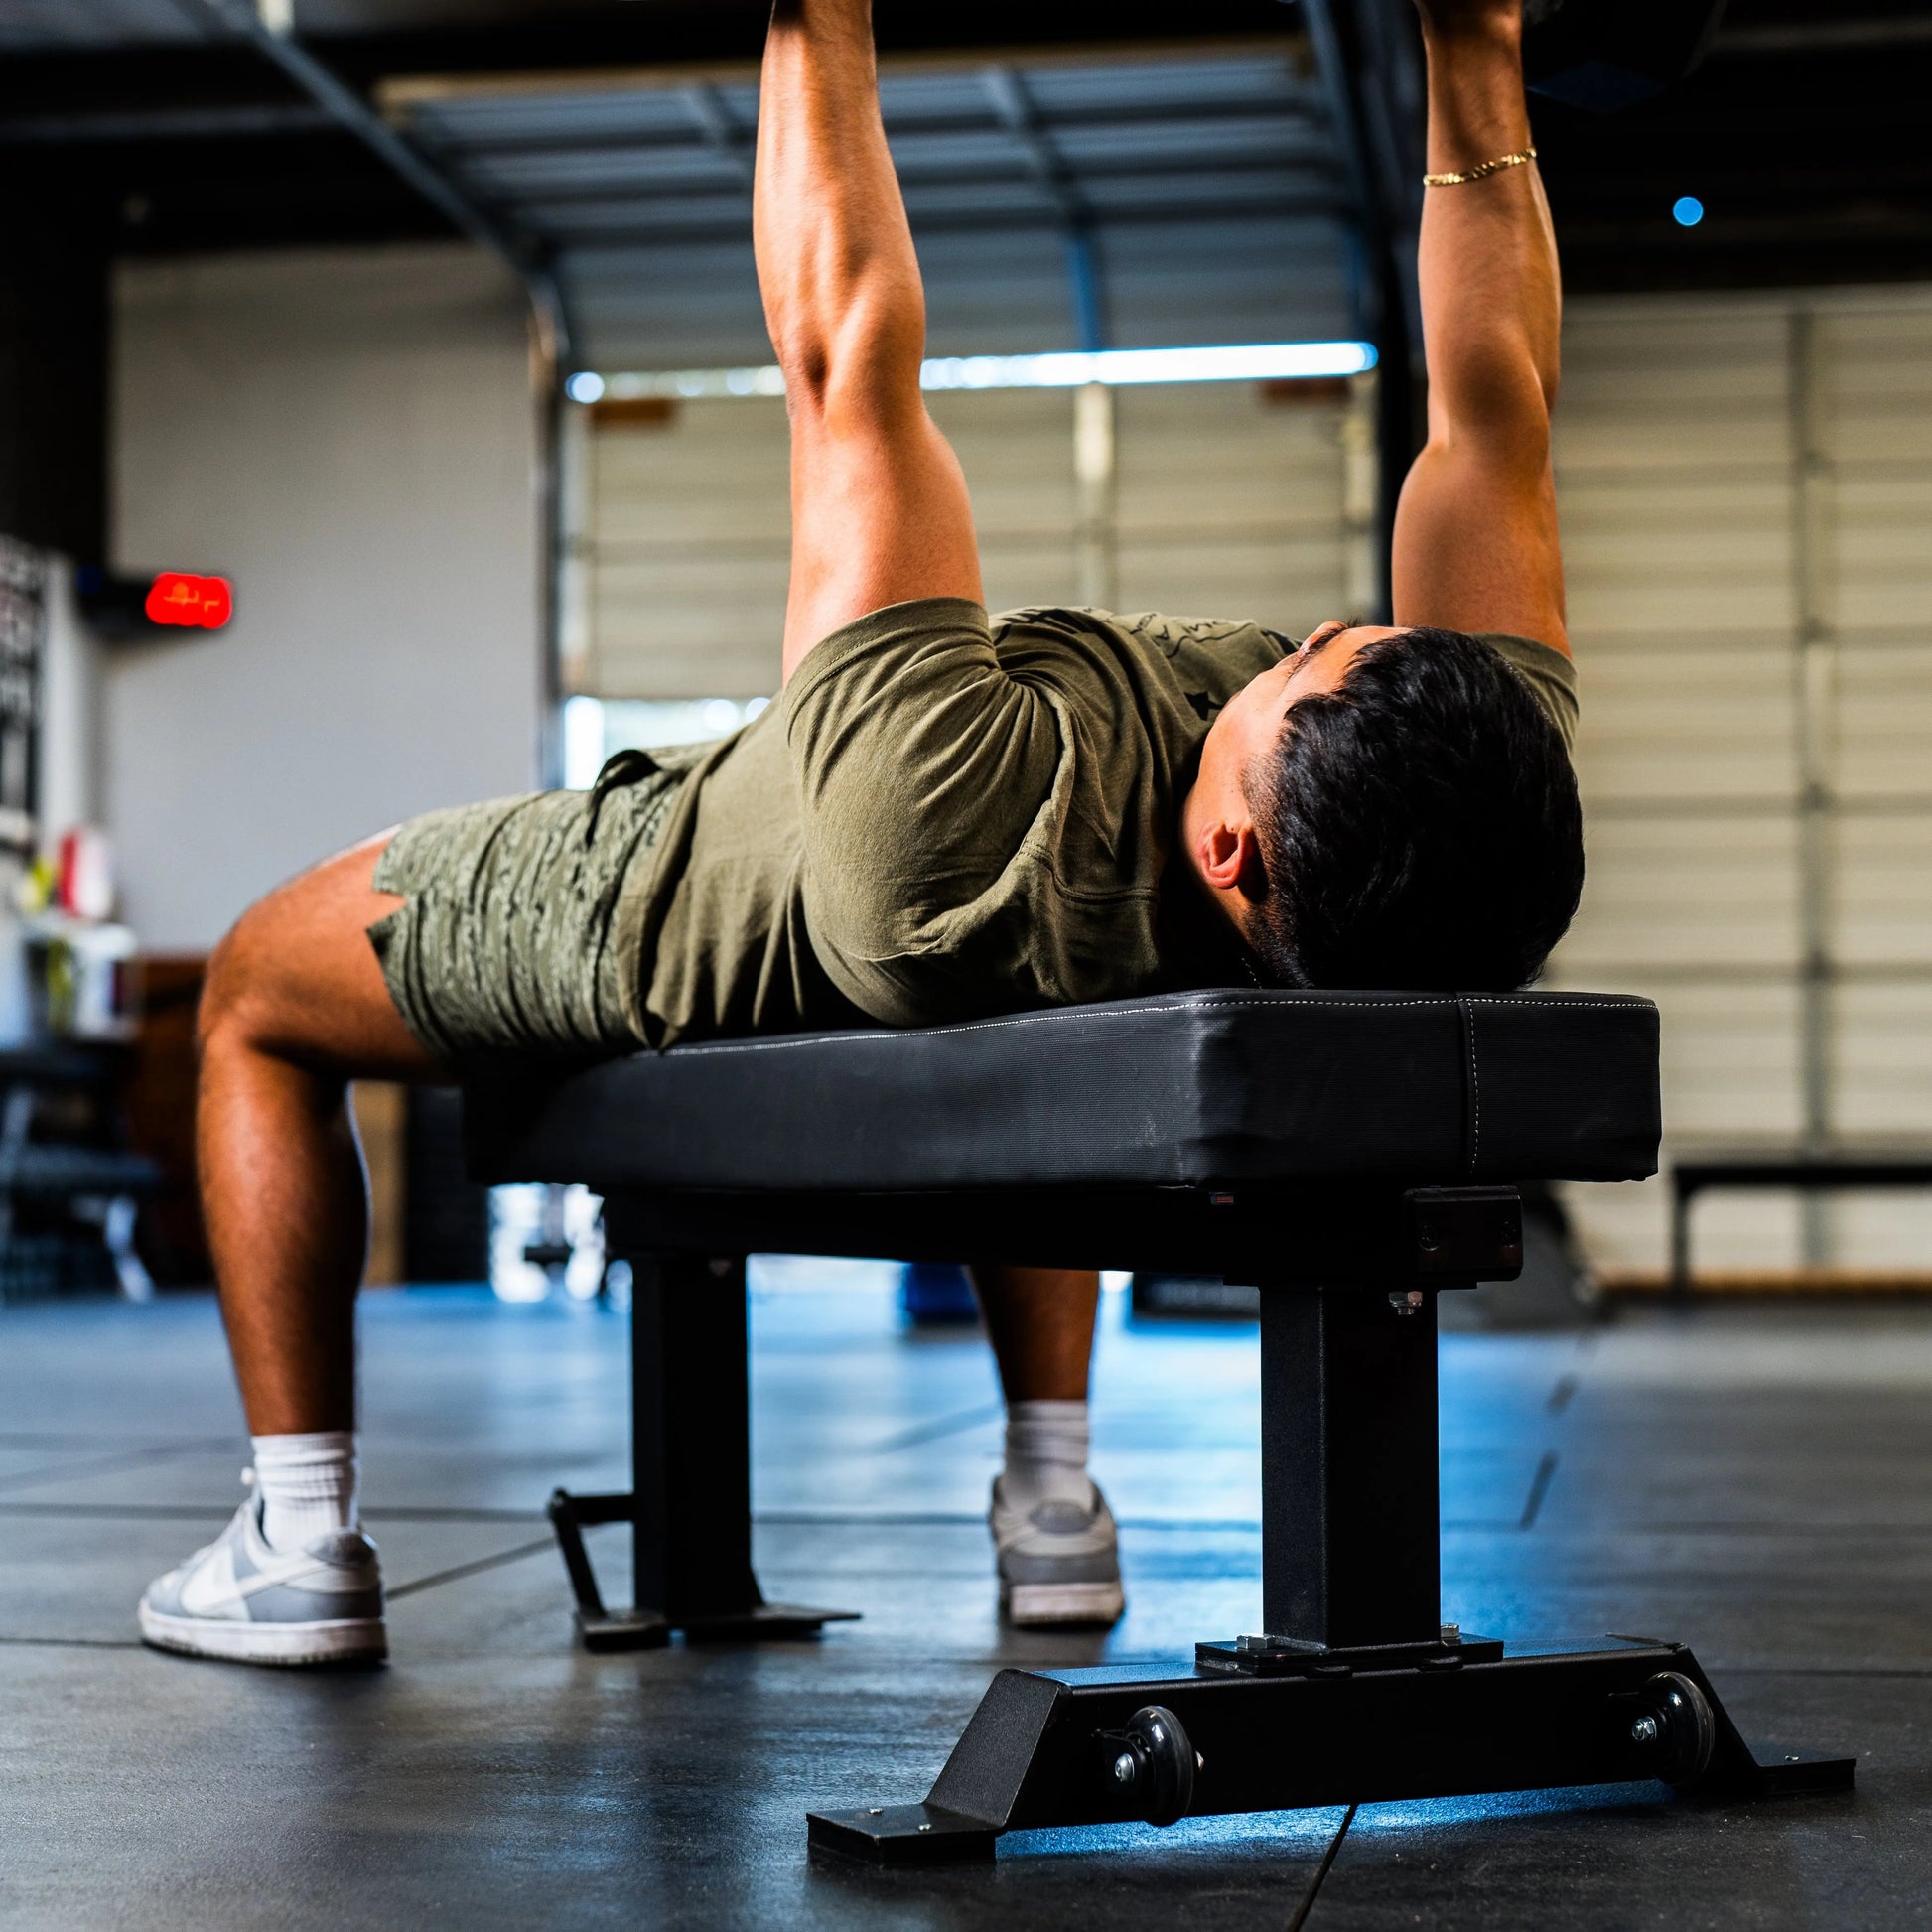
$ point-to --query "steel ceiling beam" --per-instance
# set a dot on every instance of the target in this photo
(461, 137)
(347, 108)
(1825, 36)
(729, 223)
(571, 238)
(1086, 274)
(215, 123)
(717, 126)
(1358, 50)
(1356, 47)
(1268, 175)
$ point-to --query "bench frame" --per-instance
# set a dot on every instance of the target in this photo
(1352, 1663)
(1801, 1173)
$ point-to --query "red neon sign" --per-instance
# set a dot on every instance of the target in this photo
(199, 603)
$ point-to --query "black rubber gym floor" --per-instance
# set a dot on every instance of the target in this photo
(1755, 1480)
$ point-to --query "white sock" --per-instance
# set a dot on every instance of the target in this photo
(307, 1484)
(1047, 1452)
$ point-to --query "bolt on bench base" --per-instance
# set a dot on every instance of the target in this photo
(1052, 1748)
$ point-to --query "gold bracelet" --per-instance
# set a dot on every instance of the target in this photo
(1482, 171)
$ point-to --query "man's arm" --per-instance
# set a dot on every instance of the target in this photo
(878, 507)
(1476, 533)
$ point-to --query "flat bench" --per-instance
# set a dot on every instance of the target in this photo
(1798, 1173)
(1352, 1155)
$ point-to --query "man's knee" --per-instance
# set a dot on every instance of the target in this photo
(297, 980)
(237, 994)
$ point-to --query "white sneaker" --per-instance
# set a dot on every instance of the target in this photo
(241, 1601)
(1059, 1563)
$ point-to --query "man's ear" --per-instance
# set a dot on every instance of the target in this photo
(1230, 859)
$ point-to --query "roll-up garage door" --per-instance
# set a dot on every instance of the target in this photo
(1220, 499)
(680, 548)
(1746, 493)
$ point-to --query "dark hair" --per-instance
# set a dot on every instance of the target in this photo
(1419, 825)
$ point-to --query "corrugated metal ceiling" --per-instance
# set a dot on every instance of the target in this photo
(1139, 154)
(997, 146)
(1197, 183)
(51, 24)
(179, 144)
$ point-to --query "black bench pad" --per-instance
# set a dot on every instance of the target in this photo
(1189, 1091)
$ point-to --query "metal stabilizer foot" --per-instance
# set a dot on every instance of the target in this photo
(1053, 1749)
(905, 1835)
(602, 1630)
(622, 1630)
(763, 1623)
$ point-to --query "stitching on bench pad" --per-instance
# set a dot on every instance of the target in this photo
(1458, 1001)
(1475, 1085)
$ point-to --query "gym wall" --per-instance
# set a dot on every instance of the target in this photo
(349, 436)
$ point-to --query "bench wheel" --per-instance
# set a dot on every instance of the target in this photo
(1151, 1764)
(1676, 1725)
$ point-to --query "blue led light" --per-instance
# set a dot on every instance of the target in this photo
(1687, 211)
(584, 386)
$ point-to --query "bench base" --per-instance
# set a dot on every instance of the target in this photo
(1057, 1748)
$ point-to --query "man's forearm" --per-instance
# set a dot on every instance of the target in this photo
(1490, 291)
(878, 507)
(836, 265)
(1476, 533)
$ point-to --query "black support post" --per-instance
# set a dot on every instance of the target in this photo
(1398, 428)
(690, 1437)
(1348, 1471)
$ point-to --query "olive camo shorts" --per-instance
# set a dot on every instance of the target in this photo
(506, 950)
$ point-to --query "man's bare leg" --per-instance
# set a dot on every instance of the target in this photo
(1039, 1321)
(295, 1009)
(1051, 1526)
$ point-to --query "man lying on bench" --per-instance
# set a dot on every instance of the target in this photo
(945, 816)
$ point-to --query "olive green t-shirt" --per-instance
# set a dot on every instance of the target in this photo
(947, 816)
